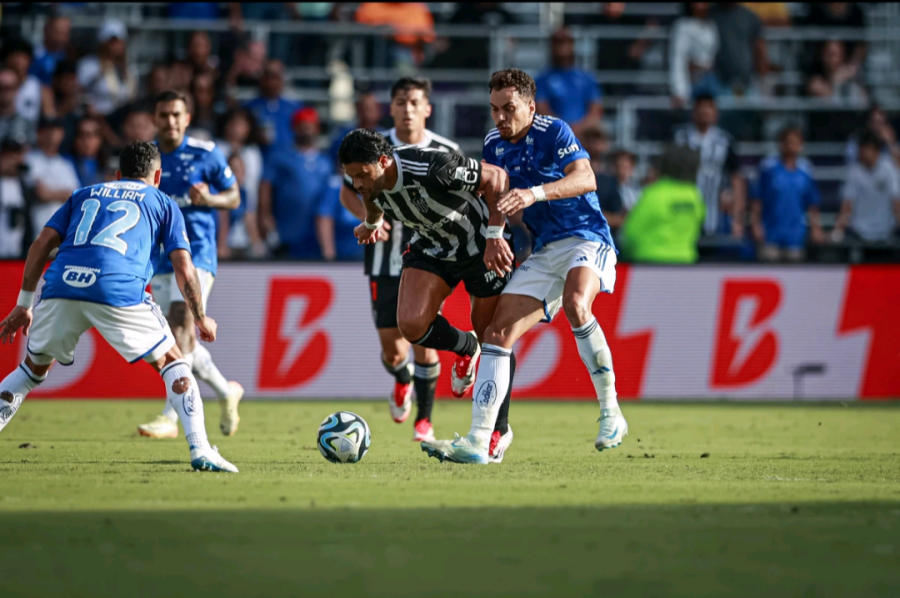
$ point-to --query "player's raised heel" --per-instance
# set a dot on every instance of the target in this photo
(400, 400)
(161, 427)
(211, 460)
(499, 444)
(462, 376)
(424, 431)
(613, 429)
(230, 419)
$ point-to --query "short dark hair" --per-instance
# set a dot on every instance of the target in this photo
(790, 129)
(65, 67)
(170, 96)
(624, 153)
(704, 97)
(412, 82)
(521, 80)
(679, 163)
(138, 159)
(364, 146)
(16, 45)
(870, 138)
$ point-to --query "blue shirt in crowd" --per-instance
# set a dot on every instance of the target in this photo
(193, 10)
(344, 222)
(300, 181)
(786, 194)
(87, 169)
(274, 118)
(44, 65)
(570, 92)
(110, 232)
(539, 158)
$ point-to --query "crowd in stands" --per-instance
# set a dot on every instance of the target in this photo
(66, 110)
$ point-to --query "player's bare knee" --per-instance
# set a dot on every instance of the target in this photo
(392, 357)
(498, 335)
(413, 327)
(178, 315)
(577, 308)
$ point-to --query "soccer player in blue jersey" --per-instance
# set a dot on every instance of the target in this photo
(197, 177)
(107, 235)
(573, 259)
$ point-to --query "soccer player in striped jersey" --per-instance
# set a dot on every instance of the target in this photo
(456, 238)
(572, 261)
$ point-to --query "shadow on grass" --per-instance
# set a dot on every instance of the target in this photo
(821, 549)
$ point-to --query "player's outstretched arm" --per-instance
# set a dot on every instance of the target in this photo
(189, 284)
(497, 254)
(371, 230)
(579, 179)
(38, 254)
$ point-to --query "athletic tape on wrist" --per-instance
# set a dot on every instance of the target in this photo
(26, 299)
(375, 226)
(539, 194)
(494, 232)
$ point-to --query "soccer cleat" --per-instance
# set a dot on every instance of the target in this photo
(424, 431)
(461, 450)
(161, 427)
(462, 376)
(613, 429)
(229, 418)
(401, 399)
(210, 460)
(499, 444)
(8, 409)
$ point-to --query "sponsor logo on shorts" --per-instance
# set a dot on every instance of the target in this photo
(80, 276)
(486, 394)
(582, 259)
(489, 276)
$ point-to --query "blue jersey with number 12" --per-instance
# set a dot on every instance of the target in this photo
(111, 232)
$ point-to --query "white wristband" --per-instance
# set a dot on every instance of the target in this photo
(494, 232)
(26, 299)
(539, 194)
(375, 226)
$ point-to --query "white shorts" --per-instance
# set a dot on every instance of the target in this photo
(135, 332)
(543, 274)
(166, 292)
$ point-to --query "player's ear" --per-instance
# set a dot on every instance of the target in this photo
(157, 177)
(118, 175)
(428, 108)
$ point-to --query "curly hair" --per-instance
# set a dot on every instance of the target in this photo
(520, 80)
(138, 159)
(363, 146)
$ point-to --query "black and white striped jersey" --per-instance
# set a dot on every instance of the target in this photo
(386, 258)
(718, 161)
(436, 195)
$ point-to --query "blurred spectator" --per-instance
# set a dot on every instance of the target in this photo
(837, 15)
(108, 80)
(199, 54)
(138, 126)
(65, 101)
(180, 75)
(771, 14)
(295, 179)
(207, 11)
(835, 78)
(876, 121)
(239, 138)
(272, 111)
(230, 219)
(596, 143)
(87, 158)
(368, 116)
(871, 195)
(17, 54)
(567, 92)
(57, 35)
(311, 49)
(14, 201)
(468, 52)
(618, 54)
(53, 177)
(156, 83)
(279, 43)
(718, 170)
(693, 44)
(334, 226)
(206, 109)
(12, 125)
(742, 50)
(624, 163)
(412, 24)
(784, 200)
(665, 223)
(247, 67)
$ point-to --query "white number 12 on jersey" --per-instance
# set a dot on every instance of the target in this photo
(109, 236)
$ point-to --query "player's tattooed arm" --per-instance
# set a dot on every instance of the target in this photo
(186, 276)
(193, 296)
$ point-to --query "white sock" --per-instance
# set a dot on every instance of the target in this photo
(207, 371)
(184, 396)
(491, 384)
(168, 410)
(13, 390)
(596, 356)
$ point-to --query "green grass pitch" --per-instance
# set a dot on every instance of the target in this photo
(791, 500)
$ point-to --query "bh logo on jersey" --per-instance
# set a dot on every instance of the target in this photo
(563, 152)
(79, 276)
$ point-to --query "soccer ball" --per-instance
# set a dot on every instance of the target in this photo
(344, 437)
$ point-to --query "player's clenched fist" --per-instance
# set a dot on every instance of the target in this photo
(515, 200)
(366, 235)
(19, 317)
(498, 257)
(207, 327)
(199, 194)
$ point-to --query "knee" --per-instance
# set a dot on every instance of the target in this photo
(499, 335)
(578, 309)
(392, 356)
(413, 327)
(178, 315)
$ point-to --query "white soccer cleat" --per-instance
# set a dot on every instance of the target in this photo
(463, 449)
(424, 431)
(400, 400)
(161, 427)
(210, 460)
(229, 418)
(8, 409)
(499, 444)
(613, 429)
(462, 376)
